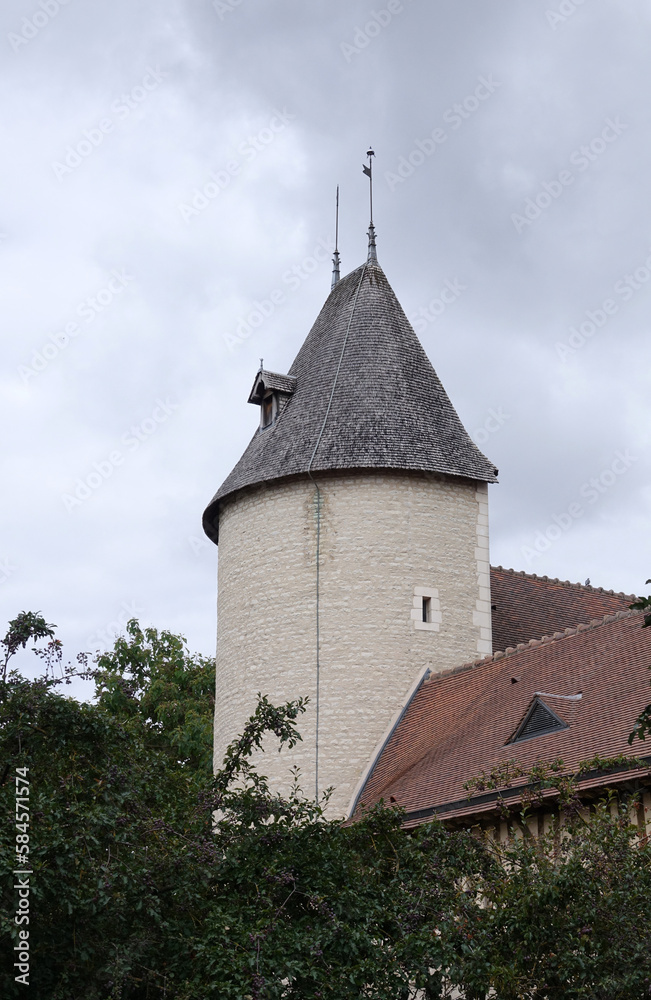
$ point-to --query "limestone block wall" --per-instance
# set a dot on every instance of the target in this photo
(387, 541)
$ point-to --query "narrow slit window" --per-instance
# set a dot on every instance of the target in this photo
(426, 609)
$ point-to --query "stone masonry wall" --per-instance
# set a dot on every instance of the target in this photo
(387, 540)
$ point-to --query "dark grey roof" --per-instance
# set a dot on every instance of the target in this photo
(271, 380)
(389, 409)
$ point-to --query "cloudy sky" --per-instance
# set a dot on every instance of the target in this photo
(167, 200)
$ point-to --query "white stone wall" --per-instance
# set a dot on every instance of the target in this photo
(386, 540)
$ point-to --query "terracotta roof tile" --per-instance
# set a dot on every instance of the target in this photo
(458, 724)
(526, 606)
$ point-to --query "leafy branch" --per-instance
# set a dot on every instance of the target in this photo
(545, 779)
(27, 625)
(642, 726)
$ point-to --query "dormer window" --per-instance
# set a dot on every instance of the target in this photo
(267, 407)
(538, 721)
(271, 392)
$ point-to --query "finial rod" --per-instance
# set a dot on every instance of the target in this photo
(368, 170)
(337, 223)
(335, 259)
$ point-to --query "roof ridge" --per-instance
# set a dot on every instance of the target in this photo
(564, 583)
(546, 640)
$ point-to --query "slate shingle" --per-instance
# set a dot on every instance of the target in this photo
(389, 409)
(271, 380)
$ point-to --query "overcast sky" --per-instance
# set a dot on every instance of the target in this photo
(168, 178)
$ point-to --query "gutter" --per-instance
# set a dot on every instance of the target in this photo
(469, 805)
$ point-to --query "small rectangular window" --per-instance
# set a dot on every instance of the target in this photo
(426, 609)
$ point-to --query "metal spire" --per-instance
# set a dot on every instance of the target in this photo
(368, 170)
(335, 259)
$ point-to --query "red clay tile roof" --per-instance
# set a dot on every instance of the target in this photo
(526, 606)
(458, 723)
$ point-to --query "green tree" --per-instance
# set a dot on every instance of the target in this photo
(152, 878)
(27, 625)
(570, 920)
(642, 727)
(564, 914)
(152, 679)
(116, 825)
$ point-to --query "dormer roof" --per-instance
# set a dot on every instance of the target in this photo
(264, 381)
(365, 395)
(540, 720)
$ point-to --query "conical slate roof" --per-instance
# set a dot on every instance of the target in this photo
(388, 409)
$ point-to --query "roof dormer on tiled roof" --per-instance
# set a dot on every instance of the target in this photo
(460, 723)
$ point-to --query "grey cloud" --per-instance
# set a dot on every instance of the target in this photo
(450, 218)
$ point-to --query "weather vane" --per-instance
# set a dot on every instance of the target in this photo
(368, 170)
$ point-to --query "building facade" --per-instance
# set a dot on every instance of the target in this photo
(572, 695)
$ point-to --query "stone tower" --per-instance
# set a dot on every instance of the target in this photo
(353, 541)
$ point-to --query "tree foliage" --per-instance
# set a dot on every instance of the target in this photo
(25, 626)
(154, 879)
(642, 727)
(152, 680)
